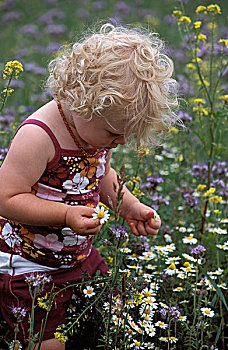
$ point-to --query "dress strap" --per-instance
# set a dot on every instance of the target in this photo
(45, 128)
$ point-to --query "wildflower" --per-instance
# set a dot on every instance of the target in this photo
(202, 37)
(147, 292)
(173, 340)
(12, 68)
(185, 19)
(37, 280)
(209, 192)
(161, 324)
(174, 312)
(214, 9)
(201, 9)
(223, 246)
(89, 291)
(224, 97)
(136, 344)
(43, 302)
(173, 130)
(171, 270)
(177, 13)
(15, 345)
(178, 289)
(150, 302)
(197, 24)
(19, 312)
(182, 318)
(197, 101)
(215, 199)
(207, 312)
(225, 42)
(189, 240)
(163, 311)
(101, 214)
(120, 232)
(125, 250)
(198, 251)
(150, 329)
(149, 345)
(200, 187)
(165, 339)
(60, 337)
(8, 91)
(142, 151)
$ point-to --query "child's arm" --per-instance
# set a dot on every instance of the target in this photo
(26, 161)
(140, 218)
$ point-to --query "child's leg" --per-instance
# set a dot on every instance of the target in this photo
(50, 344)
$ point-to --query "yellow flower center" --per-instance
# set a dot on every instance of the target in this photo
(89, 291)
(179, 288)
(147, 294)
(147, 311)
(172, 267)
(207, 312)
(137, 343)
(100, 215)
(16, 347)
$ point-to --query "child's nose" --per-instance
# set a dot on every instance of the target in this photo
(120, 140)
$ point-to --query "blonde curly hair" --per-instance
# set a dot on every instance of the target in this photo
(119, 71)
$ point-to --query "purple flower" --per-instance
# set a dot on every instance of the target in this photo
(56, 29)
(7, 5)
(200, 170)
(198, 251)
(184, 116)
(82, 14)
(98, 5)
(163, 311)
(120, 232)
(19, 312)
(36, 279)
(115, 21)
(30, 30)
(190, 200)
(152, 182)
(52, 47)
(10, 17)
(122, 7)
(174, 312)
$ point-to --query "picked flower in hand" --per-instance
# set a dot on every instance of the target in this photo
(101, 214)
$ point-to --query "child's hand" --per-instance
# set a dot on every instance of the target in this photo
(142, 220)
(80, 220)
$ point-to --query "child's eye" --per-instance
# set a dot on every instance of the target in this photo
(112, 134)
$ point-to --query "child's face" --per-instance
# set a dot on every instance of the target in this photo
(99, 133)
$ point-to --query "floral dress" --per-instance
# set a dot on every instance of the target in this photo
(70, 178)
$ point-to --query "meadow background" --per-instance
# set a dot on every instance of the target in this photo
(173, 287)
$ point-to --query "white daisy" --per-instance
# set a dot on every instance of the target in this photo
(125, 250)
(173, 340)
(101, 214)
(206, 311)
(136, 344)
(189, 239)
(161, 324)
(89, 291)
(15, 344)
(182, 318)
(150, 329)
(178, 289)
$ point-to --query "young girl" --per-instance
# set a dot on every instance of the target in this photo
(108, 87)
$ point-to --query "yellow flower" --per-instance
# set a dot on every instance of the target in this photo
(172, 267)
(214, 9)
(209, 192)
(12, 68)
(198, 101)
(137, 192)
(8, 91)
(224, 41)
(201, 9)
(202, 37)
(224, 98)
(61, 338)
(197, 59)
(142, 151)
(174, 130)
(177, 13)
(200, 187)
(190, 66)
(197, 24)
(185, 19)
(215, 199)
